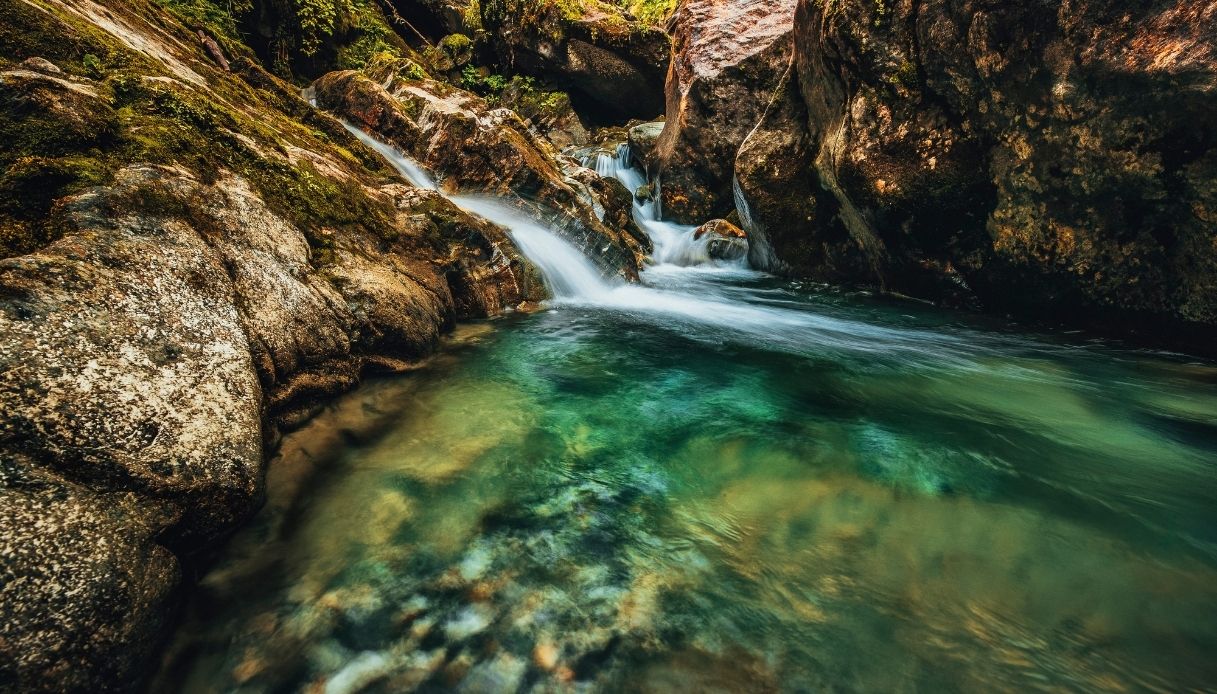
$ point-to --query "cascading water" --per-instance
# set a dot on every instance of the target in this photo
(569, 274)
(674, 243)
(686, 291)
(407, 167)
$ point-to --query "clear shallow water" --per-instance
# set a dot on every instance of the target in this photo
(635, 494)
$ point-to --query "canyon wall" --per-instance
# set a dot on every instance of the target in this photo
(1052, 161)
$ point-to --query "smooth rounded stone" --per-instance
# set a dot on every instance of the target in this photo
(417, 668)
(502, 674)
(545, 654)
(726, 241)
(328, 656)
(642, 139)
(365, 669)
(41, 65)
(475, 562)
(469, 621)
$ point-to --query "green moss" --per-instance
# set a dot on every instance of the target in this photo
(472, 16)
(905, 74)
(651, 12)
(372, 40)
(524, 96)
(59, 141)
(458, 48)
(217, 18)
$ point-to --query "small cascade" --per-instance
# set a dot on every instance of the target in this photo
(569, 274)
(686, 291)
(674, 243)
(407, 167)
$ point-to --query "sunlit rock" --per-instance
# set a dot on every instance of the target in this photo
(724, 240)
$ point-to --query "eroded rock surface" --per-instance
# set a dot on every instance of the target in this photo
(594, 50)
(727, 63)
(1051, 158)
(1048, 161)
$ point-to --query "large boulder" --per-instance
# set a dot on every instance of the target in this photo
(475, 148)
(1050, 157)
(728, 60)
(140, 356)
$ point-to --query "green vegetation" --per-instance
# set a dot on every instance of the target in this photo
(651, 12)
(374, 40)
(458, 48)
(218, 18)
(59, 141)
(479, 81)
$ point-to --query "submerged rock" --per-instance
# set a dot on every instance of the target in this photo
(725, 240)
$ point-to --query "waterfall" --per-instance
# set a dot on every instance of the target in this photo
(686, 291)
(407, 167)
(569, 274)
(674, 243)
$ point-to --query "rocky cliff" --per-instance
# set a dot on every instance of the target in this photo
(1051, 161)
(191, 259)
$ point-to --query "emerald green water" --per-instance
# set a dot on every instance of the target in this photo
(853, 494)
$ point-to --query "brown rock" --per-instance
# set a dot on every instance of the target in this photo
(642, 139)
(1045, 156)
(727, 241)
(614, 64)
(728, 59)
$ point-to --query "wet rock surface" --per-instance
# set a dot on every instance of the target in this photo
(724, 240)
(728, 59)
(1038, 160)
(642, 139)
(1045, 156)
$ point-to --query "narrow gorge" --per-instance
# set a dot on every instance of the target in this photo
(607, 345)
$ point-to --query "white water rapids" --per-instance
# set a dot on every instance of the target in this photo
(687, 292)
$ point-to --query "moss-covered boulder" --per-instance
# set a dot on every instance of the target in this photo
(612, 64)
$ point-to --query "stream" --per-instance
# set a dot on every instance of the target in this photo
(719, 480)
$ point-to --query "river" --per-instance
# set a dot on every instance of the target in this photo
(719, 480)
